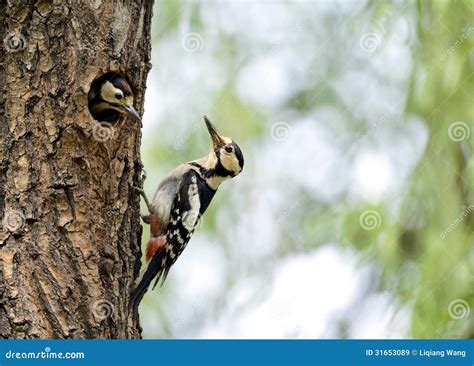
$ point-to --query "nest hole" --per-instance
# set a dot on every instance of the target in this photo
(94, 99)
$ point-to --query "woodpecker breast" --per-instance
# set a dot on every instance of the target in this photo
(187, 200)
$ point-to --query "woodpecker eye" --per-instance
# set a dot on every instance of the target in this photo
(118, 96)
(229, 149)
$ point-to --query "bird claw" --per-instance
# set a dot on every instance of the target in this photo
(145, 198)
(145, 218)
(144, 176)
(142, 179)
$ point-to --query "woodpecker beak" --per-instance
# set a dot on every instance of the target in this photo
(216, 138)
(132, 112)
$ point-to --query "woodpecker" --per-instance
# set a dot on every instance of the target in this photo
(111, 96)
(179, 202)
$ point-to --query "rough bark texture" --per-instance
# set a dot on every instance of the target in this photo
(70, 226)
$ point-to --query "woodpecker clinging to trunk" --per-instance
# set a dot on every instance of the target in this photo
(180, 200)
(109, 97)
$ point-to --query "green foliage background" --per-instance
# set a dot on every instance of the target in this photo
(422, 244)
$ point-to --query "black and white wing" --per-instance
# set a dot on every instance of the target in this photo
(184, 215)
(191, 200)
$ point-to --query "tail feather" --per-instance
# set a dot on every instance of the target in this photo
(154, 269)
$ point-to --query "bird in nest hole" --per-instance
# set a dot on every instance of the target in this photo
(111, 96)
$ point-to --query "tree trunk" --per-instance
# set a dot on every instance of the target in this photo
(70, 226)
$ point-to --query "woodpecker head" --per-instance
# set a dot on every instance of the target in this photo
(226, 158)
(113, 95)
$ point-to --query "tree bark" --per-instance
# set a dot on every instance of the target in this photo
(70, 226)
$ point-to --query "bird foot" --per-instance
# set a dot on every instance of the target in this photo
(145, 198)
